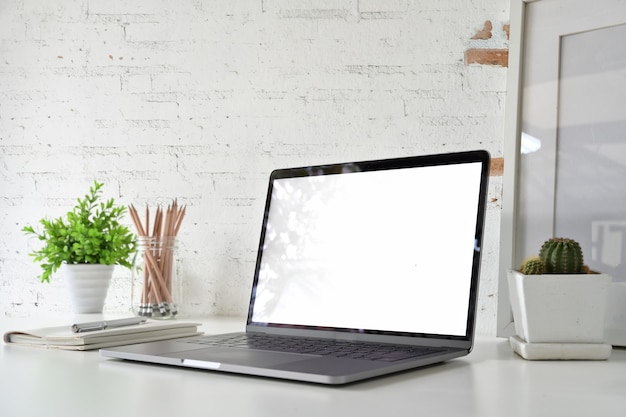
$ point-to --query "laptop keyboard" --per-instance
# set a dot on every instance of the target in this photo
(337, 348)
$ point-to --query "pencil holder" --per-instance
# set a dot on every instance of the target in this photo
(156, 279)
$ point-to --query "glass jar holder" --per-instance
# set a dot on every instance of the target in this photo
(155, 283)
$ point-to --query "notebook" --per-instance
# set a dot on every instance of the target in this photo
(363, 269)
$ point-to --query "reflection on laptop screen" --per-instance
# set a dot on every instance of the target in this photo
(388, 250)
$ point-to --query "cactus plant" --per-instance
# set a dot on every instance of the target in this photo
(533, 266)
(565, 304)
(562, 256)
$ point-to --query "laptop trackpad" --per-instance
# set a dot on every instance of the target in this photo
(242, 357)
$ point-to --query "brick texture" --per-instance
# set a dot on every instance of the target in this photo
(487, 57)
(199, 100)
(497, 167)
(489, 46)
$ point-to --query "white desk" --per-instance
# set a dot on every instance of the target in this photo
(491, 381)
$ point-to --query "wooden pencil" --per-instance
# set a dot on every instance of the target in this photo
(158, 252)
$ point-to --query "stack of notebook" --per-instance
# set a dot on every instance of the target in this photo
(64, 337)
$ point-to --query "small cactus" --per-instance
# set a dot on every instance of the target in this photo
(562, 256)
(533, 266)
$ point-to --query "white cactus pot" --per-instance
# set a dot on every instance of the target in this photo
(558, 308)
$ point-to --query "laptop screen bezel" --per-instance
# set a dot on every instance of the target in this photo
(463, 341)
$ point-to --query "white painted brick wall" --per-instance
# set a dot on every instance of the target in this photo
(200, 100)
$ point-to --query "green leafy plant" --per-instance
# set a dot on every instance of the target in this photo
(557, 255)
(91, 233)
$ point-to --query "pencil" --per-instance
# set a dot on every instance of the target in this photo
(158, 255)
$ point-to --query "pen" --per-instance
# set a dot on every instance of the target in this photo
(107, 324)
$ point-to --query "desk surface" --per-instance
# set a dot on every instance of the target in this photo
(491, 381)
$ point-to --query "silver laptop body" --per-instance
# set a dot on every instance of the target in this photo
(384, 254)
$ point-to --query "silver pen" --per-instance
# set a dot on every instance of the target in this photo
(107, 324)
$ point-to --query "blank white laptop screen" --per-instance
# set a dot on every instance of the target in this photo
(388, 250)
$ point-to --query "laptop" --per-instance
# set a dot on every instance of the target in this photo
(363, 269)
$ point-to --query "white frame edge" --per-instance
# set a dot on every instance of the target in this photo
(512, 130)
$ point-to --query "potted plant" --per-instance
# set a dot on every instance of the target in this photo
(559, 305)
(86, 244)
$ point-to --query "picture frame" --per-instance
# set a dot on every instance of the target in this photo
(565, 141)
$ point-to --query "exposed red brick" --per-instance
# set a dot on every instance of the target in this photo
(487, 57)
(485, 33)
(507, 29)
(496, 168)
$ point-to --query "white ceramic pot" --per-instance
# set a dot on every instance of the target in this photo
(559, 308)
(616, 314)
(88, 285)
